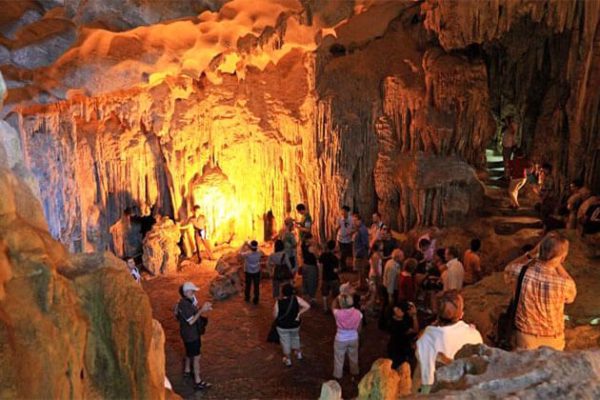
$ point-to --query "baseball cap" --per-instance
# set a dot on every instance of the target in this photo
(190, 286)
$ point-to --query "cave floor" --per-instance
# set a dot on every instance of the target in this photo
(236, 357)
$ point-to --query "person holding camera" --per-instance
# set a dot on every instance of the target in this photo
(192, 323)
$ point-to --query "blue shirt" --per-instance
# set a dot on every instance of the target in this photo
(252, 261)
(361, 242)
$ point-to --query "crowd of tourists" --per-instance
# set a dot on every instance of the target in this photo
(410, 290)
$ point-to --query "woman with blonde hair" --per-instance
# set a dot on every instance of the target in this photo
(348, 321)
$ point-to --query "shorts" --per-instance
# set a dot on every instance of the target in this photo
(192, 349)
(332, 287)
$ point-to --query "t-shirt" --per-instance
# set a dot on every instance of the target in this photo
(252, 261)
(135, 273)
(406, 287)
(472, 266)
(447, 340)
(518, 168)
(330, 263)
(344, 234)
(186, 309)
(400, 344)
(289, 320)
(453, 277)
(375, 231)
(305, 222)
(361, 242)
(289, 243)
(308, 258)
(389, 246)
(347, 321)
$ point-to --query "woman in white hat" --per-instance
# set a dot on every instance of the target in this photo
(189, 314)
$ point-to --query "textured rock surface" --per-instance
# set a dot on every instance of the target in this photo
(259, 105)
(547, 80)
(383, 382)
(67, 325)
(229, 282)
(483, 372)
(161, 247)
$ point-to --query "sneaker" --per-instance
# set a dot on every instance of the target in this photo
(287, 361)
(299, 355)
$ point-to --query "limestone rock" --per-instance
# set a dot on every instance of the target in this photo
(223, 287)
(228, 282)
(331, 390)
(484, 372)
(71, 326)
(382, 382)
(161, 247)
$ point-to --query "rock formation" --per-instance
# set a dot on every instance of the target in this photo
(481, 372)
(67, 325)
(161, 247)
(484, 372)
(229, 281)
(253, 106)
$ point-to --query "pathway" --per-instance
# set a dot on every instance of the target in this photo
(236, 357)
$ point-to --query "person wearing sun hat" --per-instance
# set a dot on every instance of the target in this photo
(188, 313)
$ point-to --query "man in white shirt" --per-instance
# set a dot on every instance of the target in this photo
(442, 340)
(455, 274)
(344, 237)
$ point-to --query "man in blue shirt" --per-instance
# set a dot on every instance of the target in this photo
(361, 249)
(252, 256)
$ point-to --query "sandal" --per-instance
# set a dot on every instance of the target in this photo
(202, 385)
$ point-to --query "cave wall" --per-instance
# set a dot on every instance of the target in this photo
(67, 328)
(154, 146)
(382, 106)
(549, 81)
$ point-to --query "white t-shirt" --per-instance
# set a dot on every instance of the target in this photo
(447, 340)
(344, 234)
(455, 275)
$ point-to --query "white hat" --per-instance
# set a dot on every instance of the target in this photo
(190, 286)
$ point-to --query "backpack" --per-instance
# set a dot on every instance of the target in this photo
(282, 271)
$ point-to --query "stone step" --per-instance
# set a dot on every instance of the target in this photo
(495, 164)
(510, 227)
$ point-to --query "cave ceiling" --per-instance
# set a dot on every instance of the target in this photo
(381, 105)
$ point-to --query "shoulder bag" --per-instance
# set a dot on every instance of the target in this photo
(506, 328)
(273, 335)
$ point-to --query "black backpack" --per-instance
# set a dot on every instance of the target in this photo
(282, 271)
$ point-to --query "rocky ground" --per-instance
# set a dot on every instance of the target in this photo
(236, 357)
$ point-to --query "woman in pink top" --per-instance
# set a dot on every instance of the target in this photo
(348, 320)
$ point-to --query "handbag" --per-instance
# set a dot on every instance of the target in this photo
(505, 330)
(273, 335)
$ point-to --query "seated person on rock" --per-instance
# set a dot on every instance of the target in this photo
(444, 338)
(588, 216)
(578, 194)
